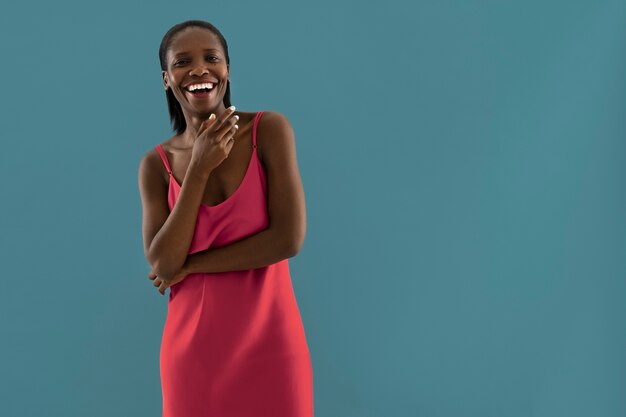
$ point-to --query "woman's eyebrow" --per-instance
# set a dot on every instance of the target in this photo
(187, 52)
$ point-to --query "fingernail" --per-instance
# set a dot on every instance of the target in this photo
(212, 116)
(231, 108)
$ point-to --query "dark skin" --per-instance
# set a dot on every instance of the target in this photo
(209, 160)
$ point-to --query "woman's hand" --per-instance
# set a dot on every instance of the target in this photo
(214, 140)
(163, 284)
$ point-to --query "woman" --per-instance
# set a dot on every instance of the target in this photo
(223, 210)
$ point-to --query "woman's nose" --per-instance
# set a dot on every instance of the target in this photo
(200, 70)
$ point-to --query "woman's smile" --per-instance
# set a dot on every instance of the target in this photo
(202, 94)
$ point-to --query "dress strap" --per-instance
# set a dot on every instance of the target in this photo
(256, 122)
(159, 148)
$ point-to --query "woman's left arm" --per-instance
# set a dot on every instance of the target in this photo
(286, 206)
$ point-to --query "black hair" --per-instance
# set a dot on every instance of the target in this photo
(176, 113)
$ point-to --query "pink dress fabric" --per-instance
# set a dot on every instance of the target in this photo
(233, 343)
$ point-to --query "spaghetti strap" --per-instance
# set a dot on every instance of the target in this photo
(256, 122)
(159, 148)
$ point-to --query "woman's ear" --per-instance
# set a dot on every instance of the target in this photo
(166, 83)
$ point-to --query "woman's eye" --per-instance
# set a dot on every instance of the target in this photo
(209, 58)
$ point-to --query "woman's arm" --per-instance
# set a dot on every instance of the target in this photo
(167, 236)
(256, 251)
(285, 233)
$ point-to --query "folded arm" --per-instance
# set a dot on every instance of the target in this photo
(286, 208)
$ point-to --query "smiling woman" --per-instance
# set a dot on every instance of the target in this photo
(223, 210)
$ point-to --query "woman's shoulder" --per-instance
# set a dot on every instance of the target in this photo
(152, 155)
(270, 124)
(273, 123)
(151, 164)
(275, 135)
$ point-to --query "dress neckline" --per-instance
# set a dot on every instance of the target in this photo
(253, 156)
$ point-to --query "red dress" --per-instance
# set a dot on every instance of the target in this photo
(233, 342)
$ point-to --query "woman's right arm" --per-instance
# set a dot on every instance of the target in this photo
(167, 236)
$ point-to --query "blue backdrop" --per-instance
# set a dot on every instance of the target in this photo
(463, 165)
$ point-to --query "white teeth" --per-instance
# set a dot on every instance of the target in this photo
(196, 86)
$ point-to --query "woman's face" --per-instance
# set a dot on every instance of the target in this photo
(196, 55)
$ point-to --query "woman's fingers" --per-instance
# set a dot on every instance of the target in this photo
(227, 116)
(161, 285)
(157, 282)
(226, 122)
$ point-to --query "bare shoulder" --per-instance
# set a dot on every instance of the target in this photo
(274, 134)
(273, 122)
(151, 167)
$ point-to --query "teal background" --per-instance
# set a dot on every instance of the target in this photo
(463, 164)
